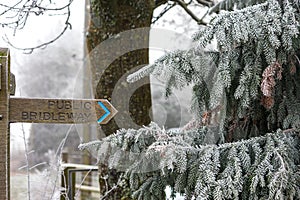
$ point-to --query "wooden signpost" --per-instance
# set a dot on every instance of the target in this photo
(4, 125)
(66, 111)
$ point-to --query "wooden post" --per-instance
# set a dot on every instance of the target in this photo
(64, 177)
(4, 124)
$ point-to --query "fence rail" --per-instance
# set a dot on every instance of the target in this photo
(68, 179)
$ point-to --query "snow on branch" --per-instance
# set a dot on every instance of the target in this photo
(156, 158)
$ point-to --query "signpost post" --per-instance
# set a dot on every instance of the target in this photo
(33, 110)
(4, 125)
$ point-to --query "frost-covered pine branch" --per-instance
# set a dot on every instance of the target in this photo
(259, 167)
(249, 41)
(244, 94)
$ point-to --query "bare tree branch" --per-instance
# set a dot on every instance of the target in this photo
(168, 7)
(184, 5)
(43, 45)
(160, 2)
(205, 2)
(17, 15)
(188, 11)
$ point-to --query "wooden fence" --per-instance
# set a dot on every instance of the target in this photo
(68, 180)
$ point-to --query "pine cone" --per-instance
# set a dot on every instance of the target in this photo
(268, 82)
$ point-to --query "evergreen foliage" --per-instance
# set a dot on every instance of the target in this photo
(245, 92)
(152, 158)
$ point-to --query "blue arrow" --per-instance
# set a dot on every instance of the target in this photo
(107, 112)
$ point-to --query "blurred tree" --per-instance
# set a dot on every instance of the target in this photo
(52, 76)
(115, 17)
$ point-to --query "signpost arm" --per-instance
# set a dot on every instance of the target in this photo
(4, 125)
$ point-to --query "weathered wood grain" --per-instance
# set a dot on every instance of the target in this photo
(65, 111)
(4, 126)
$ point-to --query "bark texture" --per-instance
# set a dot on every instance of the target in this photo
(112, 58)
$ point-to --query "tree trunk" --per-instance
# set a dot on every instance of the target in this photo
(112, 60)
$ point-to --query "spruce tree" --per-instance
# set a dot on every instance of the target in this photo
(244, 142)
